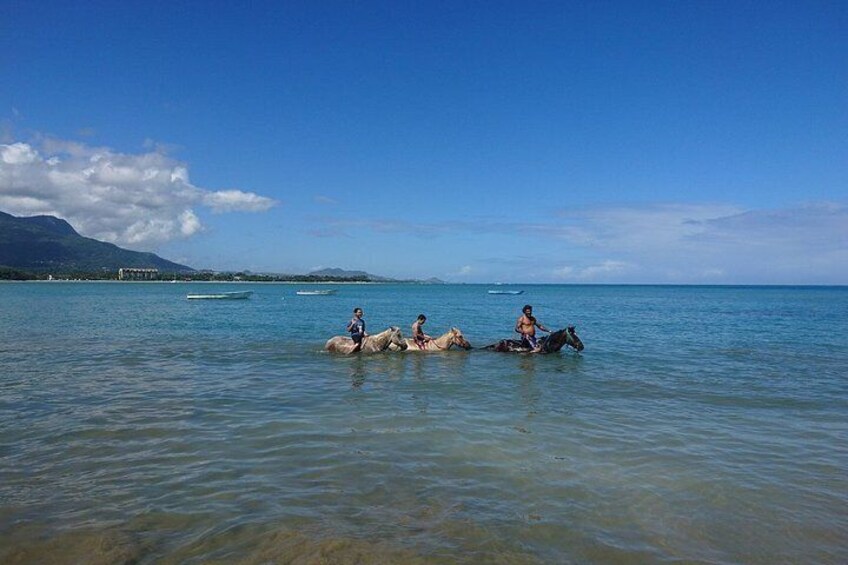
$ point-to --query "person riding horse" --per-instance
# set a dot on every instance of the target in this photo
(356, 327)
(526, 326)
(418, 335)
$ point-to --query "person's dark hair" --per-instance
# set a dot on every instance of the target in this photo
(526, 307)
(357, 309)
(422, 317)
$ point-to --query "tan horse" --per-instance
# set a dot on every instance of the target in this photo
(441, 343)
(370, 344)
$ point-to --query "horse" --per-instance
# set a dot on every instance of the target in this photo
(371, 344)
(548, 344)
(441, 343)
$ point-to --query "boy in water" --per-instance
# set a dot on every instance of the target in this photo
(526, 326)
(356, 327)
(418, 335)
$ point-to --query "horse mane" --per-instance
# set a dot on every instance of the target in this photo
(554, 341)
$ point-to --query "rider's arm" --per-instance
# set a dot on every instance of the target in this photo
(518, 326)
(541, 327)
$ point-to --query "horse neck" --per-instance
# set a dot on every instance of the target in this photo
(558, 339)
(444, 341)
(381, 340)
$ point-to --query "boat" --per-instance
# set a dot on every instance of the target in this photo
(315, 292)
(220, 295)
(506, 292)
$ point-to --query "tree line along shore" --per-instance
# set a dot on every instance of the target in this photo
(13, 274)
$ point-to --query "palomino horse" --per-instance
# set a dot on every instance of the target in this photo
(548, 344)
(370, 344)
(441, 343)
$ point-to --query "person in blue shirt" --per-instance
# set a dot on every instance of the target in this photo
(356, 327)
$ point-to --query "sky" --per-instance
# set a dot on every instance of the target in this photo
(665, 142)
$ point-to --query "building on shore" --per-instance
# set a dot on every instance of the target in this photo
(132, 274)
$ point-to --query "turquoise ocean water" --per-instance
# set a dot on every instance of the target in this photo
(700, 424)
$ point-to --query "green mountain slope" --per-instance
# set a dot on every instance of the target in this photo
(45, 243)
(343, 274)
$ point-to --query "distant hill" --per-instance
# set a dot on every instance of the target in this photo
(337, 273)
(343, 274)
(46, 243)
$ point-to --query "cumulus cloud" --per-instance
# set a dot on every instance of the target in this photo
(137, 200)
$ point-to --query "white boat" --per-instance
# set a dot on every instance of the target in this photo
(315, 292)
(506, 292)
(220, 295)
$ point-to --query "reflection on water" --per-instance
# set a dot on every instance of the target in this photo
(395, 366)
(357, 371)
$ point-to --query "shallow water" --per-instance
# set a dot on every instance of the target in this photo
(699, 424)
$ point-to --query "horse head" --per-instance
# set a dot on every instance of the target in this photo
(573, 340)
(458, 339)
(560, 338)
(396, 338)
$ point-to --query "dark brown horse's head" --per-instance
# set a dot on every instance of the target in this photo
(573, 340)
(560, 338)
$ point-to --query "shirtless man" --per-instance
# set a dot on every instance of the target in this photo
(526, 326)
(418, 335)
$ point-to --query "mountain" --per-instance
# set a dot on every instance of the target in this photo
(354, 275)
(45, 243)
(363, 276)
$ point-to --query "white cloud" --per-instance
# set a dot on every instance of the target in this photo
(665, 242)
(716, 243)
(236, 200)
(321, 199)
(633, 228)
(137, 200)
(601, 272)
(463, 271)
(17, 154)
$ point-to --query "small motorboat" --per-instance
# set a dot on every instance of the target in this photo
(220, 295)
(326, 292)
(506, 292)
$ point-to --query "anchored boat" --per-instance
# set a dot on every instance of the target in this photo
(220, 295)
(506, 292)
(315, 292)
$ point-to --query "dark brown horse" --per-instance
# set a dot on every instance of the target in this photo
(548, 344)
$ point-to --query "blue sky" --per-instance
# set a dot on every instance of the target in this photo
(636, 142)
